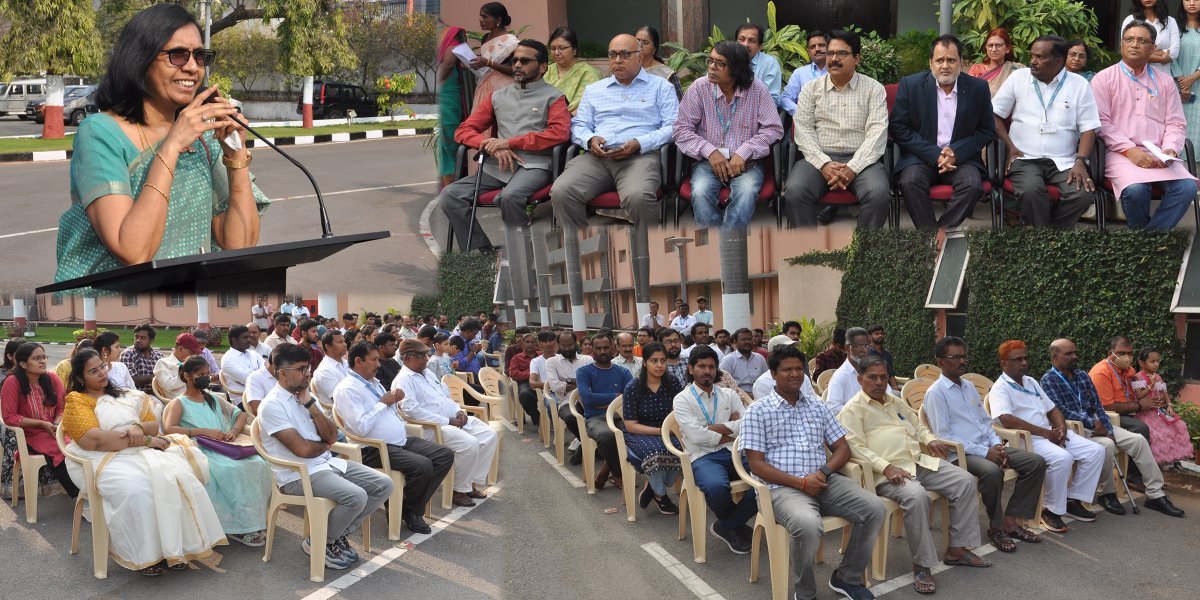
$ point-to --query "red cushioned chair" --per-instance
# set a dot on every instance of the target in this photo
(768, 193)
(1096, 173)
(1156, 192)
(612, 200)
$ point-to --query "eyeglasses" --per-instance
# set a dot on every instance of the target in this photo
(624, 55)
(712, 62)
(41, 358)
(560, 48)
(840, 54)
(179, 56)
(524, 61)
(302, 370)
(860, 346)
(955, 357)
(103, 368)
(1018, 359)
(1132, 41)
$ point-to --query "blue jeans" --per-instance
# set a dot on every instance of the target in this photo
(713, 472)
(1178, 195)
(743, 195)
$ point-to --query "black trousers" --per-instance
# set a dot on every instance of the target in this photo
(60, 473)
(527, 396)
(424, 465)
(915, 181)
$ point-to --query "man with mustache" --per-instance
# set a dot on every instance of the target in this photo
(840, 125)
(673, 342)
(1113, 378)
(844, 384)
(599, 383)
(529, 119)
(559, 375)
(941, 122)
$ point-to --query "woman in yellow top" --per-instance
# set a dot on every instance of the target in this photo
(151, 488)
(567, 73)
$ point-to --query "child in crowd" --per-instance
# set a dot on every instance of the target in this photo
(1169, 439)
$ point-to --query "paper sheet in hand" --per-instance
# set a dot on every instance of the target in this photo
(1158, 153)
(465, 54)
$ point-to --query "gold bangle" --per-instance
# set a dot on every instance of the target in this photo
(164, 162)
(155, 188)
(237, 164)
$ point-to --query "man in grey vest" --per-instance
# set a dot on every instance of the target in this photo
(529, 118)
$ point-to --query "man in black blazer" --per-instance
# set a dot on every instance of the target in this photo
(941, 121)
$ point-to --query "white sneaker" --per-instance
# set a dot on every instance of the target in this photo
(574, 445)
(87, 511)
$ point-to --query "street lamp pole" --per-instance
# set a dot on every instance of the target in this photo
(680, 243)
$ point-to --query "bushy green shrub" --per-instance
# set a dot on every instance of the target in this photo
(912, 50)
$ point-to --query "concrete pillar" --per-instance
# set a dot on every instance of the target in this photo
(20, 318)
(327, 305)
(307, 95)
(735, 280)
(686, 22)
(89, 312)
(575, 280)
(202, 311)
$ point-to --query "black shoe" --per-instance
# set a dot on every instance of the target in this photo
(490, 249)
(854, 591)
(736, 544)
(827, 215)
(1164, 506)
(665, 505)
(577, 456)
(1075, 509)
(416, 524)
(1110, 503)
(646, 496)
(1053, 522)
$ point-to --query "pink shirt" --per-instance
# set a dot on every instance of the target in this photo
(1130, 113)
(947, 107)
(707, 121)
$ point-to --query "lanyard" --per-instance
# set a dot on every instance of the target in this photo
(1046, 105)
(725, 125)
(1077, 391)
(1128, 73)
(711, 419)
(1120, 379)
(378, 396)
(1014, 385)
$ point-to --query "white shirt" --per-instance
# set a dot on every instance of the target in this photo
(275, 339)
(538, 365)
(281, 411)
(765, 385)
(259, 384)
(287, 308)
(406, 333)
(166, 372)
(259, 348)
(1072, 112)
(425, 398)
(557, 370)
(703, 316)
(683, 324)
(357, 402)
(653, 321)
(262, 316)
(634, 364)
(1030, 405)
(328, 375)
(119, 375)
(844, 385)
(299, 312)
(722, 353)
(237, 367)
(693, 424)
(1167, 38)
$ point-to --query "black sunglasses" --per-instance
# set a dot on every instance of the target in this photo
(179, 56)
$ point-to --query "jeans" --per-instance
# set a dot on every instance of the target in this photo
(713, 472)
(743, 195)
(1178, 194)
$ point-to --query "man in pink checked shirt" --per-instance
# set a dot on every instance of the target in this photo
(727, 122)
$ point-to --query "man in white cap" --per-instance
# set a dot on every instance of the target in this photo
(765, 384)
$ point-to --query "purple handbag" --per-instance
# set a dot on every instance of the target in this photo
(234, 451)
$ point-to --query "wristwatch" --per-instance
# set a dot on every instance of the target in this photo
(827, 471)
(1086, 161)
(310, 402)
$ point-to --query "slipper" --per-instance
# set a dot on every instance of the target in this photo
(152, 571)
(254, 539)
(1025, 535)
(178, 566)
(923, 581)
(968, 559)
(1001, 540)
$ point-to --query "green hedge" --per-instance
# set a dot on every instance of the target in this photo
(885, 282)
(834, 259)
(1039, 285)
(464, 286)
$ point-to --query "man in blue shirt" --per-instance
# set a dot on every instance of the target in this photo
(955, 413)
(766, 67)
(599, 383)
(807, 73)
(622, 121)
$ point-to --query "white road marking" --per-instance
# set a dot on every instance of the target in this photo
(571, 478)
(907, 579)
(425, 231)
(279, 199)
(388, 556)
(685, 575)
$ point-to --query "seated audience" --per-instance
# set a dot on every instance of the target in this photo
(682, 321)
(566, 72)
(443, 353)
(108, 344)
(833, 356)
(625, 356)
(560, 380)
(1113, 379)
(1077, 59)
(240, 360)
(646, 402)
(282, 332)
(999, 61)
(844, 385)
(256, 345)
(202, 337)
(673, 342)
(332, 369)
(31, 398)
(166, 371)
(800, 77)
(765, 66)
(765, 384)
(1169, 438)
(745, 365)
(140, 358)
(599, 383)
(651, 60)
(519, 372)
(389, 367)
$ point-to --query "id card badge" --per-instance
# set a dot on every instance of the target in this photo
(1046, 128)
(724, 152)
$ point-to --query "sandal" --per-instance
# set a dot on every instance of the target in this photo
(1025, 535)
(183, 566)
(152, 571)
(923, 581)
(968, 559)
(253, 539)
(1001, 540)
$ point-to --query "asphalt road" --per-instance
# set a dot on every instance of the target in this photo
(11, 125)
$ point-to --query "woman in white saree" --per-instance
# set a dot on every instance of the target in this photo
(151, 486)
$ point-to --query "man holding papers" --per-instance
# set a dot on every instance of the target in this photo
(1142, 124)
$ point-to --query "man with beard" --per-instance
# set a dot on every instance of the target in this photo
(844, 384)
(309, 339)
(599, 383)
(1075, 395)
(625, 356)
(141, 357)
(673, 342)
(699, 333)
(282, 332)
(389, 367)
(518, 370)
(745, 365)
(721, 343)
(941, 121)
(877, 336)
(560, 373)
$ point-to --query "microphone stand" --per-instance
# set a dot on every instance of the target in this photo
(326, 229)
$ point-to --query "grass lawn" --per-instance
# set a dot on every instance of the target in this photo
(11, 145)
(165, 337)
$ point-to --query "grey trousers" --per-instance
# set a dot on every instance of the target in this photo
(1139, 453)
(1030, 178)
(805, 186)
(358, 492)
(635, 179)
(1031, 472)
(456, 202)
(802, 514)
(915, 181)
(958, 486)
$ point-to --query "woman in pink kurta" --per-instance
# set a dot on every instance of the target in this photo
(32, 399)
(1139, 103)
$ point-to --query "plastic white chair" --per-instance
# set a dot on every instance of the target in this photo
(27, 466)
(588, 444)
(396, 500)
(89, 494)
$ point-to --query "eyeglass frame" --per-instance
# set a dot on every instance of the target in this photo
(204, 57)
(623, 55)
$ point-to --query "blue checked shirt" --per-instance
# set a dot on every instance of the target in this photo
(1076, 397)
(644, 110)
(680, 372)
(792, 437)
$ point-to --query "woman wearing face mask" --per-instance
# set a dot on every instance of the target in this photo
(240, 489)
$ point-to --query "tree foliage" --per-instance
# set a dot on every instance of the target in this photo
(416, 46)
(1025, 21)
(465, 283)
(246, 53)
(389, 41)
(57, 37)
(312, 36)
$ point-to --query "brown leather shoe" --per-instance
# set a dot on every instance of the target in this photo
(478, 495)
(602, 477)
(461, 499)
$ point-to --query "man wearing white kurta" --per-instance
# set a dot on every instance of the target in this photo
(844, 384)
(425, 398)
(240, 361)
(332, 369)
